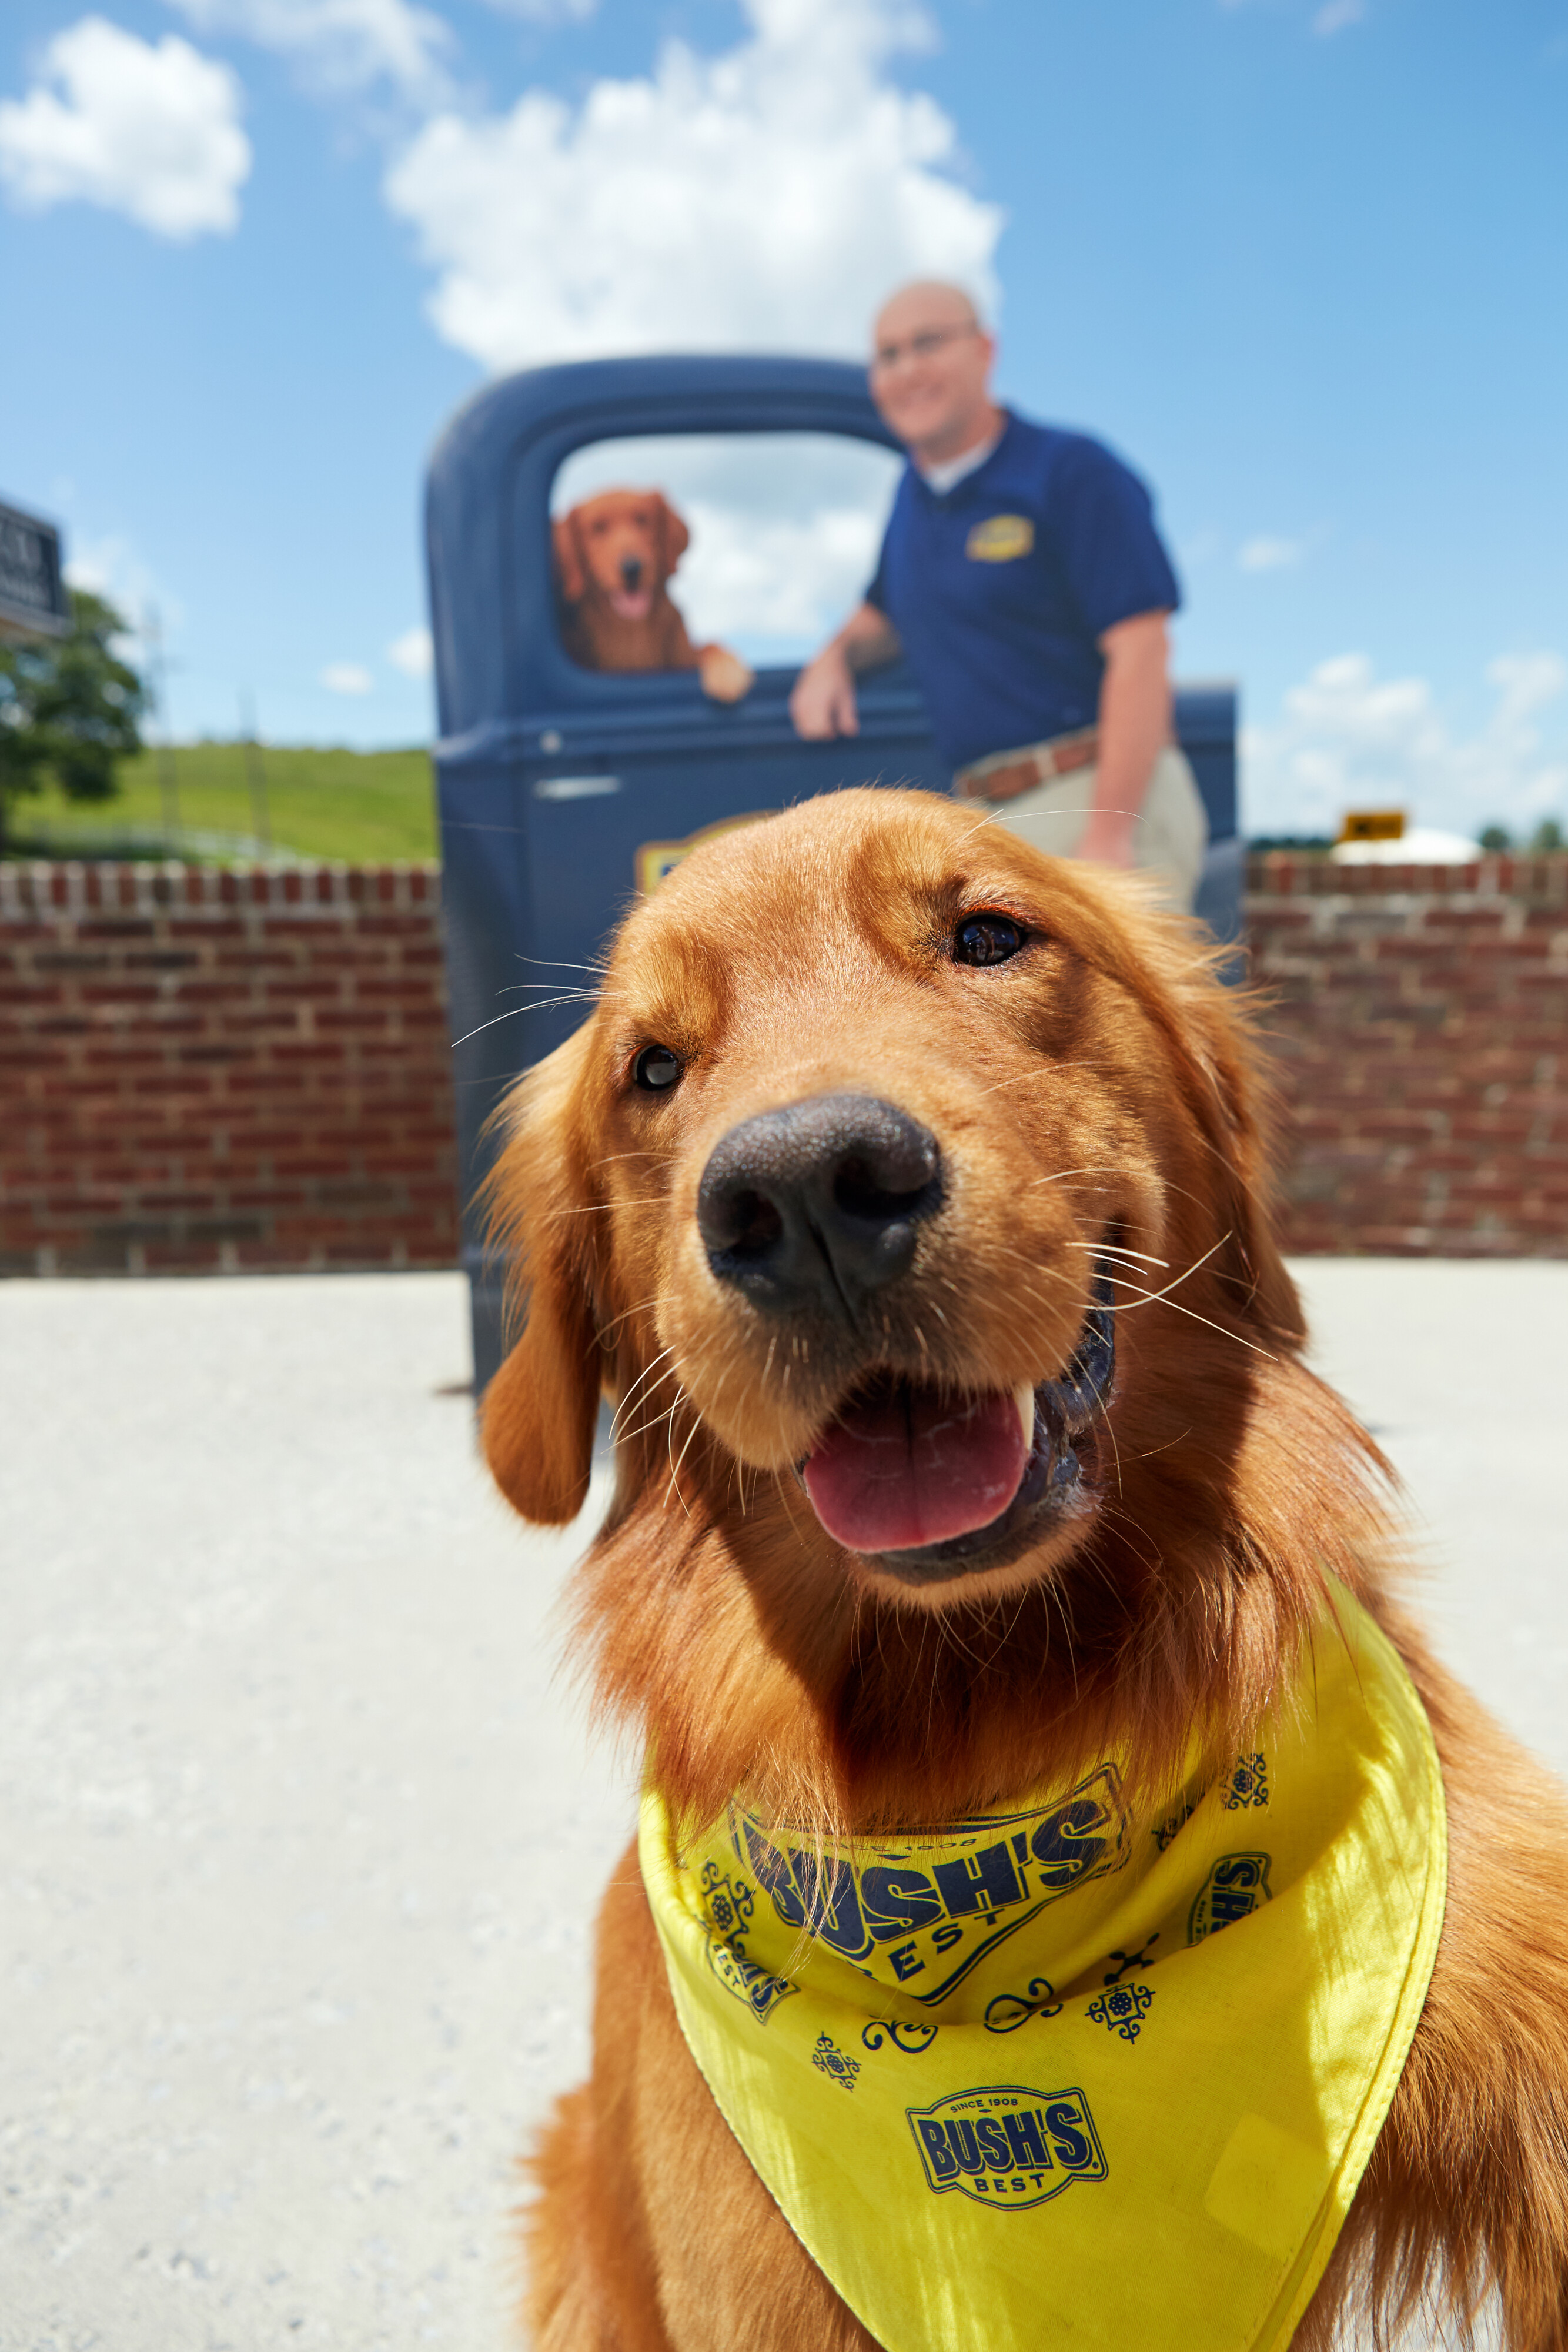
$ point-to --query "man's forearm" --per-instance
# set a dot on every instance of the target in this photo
(1134, 728)
(822, 702)
(867, 639)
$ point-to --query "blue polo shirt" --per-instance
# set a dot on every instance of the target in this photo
(1001, 589)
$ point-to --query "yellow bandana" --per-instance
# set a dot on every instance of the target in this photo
(1011, 2082)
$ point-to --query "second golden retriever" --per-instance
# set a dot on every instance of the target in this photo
(613, 558)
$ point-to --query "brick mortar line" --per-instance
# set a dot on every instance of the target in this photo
(51, 888)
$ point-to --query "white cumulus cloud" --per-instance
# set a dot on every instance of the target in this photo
(413, 653)
(549, 11)
(151, 130)
(339, 46)
(1347, 738)
(346, 678)
(1265, 554)
(766, 198)
(771, 581)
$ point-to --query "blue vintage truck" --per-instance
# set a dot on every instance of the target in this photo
(563, 790)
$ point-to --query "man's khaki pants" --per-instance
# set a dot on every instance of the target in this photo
(1169, 839)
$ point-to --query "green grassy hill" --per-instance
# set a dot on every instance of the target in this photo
(366, 807)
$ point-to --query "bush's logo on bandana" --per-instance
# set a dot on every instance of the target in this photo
(918, 1920)
(1236, 1887)
(1000, 539)
(1007, 2147)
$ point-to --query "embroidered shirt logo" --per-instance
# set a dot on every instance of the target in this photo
(1000, 539)
(918, 1916)
(1007, 2147)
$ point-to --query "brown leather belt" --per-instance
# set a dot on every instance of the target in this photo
(1006, 773)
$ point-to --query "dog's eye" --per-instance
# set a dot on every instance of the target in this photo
(986, 939)
(655, 1069)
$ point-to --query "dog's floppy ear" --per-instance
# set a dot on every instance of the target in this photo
(570, 572)
(1240, 1118)
(673, 537)
(539, 1410)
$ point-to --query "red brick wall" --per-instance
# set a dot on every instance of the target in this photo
(204, 1070)
(1420, 1029)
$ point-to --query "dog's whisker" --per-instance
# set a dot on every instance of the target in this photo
(644, 1428)
(1104, 1422)
(1117, 1249)
(654, 1298)
(675, 1473)
(567, 996)
(1150, 1296)
(1060, 1175)
(1050, 1070)
(1150, 1452)
(608, 1208)
(1155, 1299)
(511, 1015)
(557, 963)
(675, 1467)
(643, 1375)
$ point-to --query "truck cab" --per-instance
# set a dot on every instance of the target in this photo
(564, 791)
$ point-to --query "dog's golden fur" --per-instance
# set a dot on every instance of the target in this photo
(613, 557)
(1101, 1089)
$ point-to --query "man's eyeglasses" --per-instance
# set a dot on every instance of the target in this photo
(923, 346)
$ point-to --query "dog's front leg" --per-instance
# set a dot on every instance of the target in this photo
(592, 2276)
(652, 2232)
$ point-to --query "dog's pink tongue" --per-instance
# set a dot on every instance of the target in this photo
(911, 1467)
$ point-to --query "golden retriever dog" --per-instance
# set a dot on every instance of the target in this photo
(907, 1192)
(613, 557)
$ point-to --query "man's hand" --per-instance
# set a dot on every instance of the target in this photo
(725, 678)
(823, 701)
(1134, 728)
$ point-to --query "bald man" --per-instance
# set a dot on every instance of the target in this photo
(1023, 578)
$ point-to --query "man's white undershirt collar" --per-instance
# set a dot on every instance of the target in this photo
(943, 478)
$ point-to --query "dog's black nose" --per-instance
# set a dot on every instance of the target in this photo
(630, 571)
(817, 1205)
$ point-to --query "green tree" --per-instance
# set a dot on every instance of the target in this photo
(1547, 835)
(68, 708)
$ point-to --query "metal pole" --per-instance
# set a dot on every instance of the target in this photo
(168, 777)
(255, 771)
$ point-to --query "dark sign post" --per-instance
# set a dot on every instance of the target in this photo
(33, 601)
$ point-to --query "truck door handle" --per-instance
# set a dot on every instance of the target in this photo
(575, 788)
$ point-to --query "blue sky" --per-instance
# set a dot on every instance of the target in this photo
(1303, 261)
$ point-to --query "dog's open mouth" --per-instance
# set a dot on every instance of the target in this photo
(928, 1484)
(630, 604)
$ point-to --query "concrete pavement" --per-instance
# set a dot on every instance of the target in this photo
(302, 1833)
